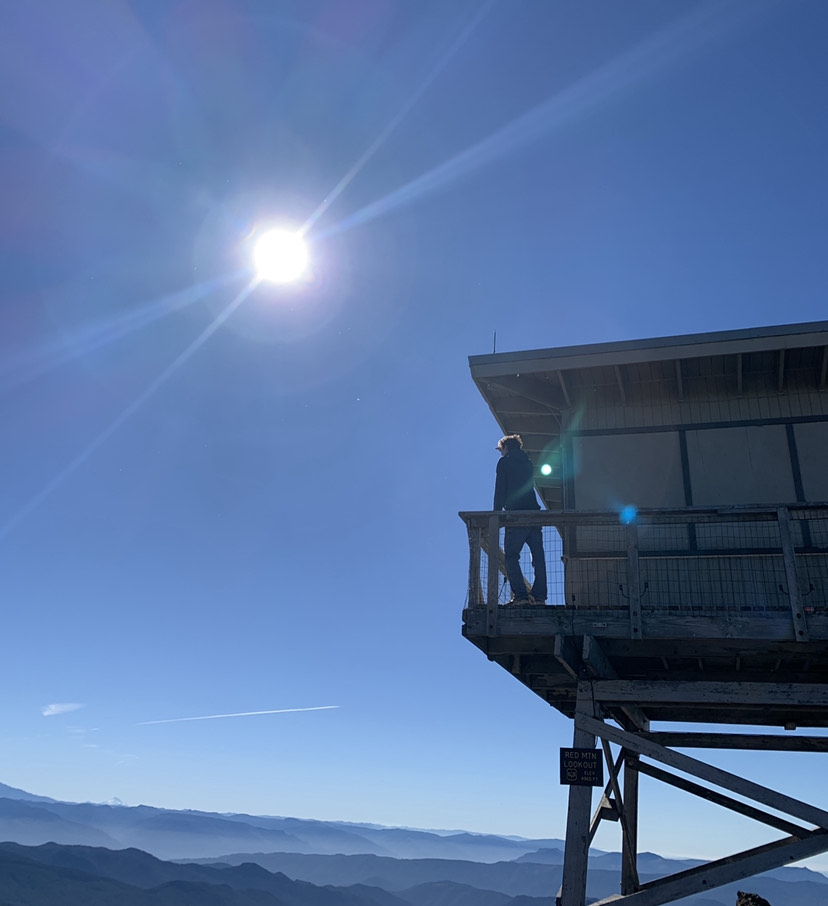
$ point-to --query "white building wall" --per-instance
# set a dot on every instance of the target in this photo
(617, 470)
(740, 465)
(812, 446)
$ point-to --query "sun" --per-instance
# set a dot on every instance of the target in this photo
(280, 256)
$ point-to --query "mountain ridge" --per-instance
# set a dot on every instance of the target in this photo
(357, 864)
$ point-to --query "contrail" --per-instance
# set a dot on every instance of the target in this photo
(397, 119)
(154, 385)
(178, 720)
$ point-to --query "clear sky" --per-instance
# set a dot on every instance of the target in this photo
(219, 501)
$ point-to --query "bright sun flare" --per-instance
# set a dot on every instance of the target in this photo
(280, 256)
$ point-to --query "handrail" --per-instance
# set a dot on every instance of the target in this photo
(738, 557)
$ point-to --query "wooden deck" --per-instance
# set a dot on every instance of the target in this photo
(666, 654)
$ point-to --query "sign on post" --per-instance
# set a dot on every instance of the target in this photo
(582, 767)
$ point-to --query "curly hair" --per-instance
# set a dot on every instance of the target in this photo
(510, 442)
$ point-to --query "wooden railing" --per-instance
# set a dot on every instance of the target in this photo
(692, 560)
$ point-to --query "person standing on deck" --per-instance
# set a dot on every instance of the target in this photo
(514, 490)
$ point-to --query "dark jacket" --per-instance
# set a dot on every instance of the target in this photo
(514, 484)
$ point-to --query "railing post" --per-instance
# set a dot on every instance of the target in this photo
(633, 581)
(789, 556)
(493, 544)
(475, 544)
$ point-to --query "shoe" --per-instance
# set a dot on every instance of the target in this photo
(518, 602)
(540, 603)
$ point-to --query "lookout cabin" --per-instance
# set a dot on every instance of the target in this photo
(685, 486)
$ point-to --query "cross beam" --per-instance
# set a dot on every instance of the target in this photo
(802, 841)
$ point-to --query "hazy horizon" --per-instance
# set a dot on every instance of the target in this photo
(229, 542)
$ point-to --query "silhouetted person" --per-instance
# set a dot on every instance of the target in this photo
(515, 490)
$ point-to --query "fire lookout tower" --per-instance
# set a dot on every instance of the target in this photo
(685, 481)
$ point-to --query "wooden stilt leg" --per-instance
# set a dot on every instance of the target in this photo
(629, 864)
(573, 886)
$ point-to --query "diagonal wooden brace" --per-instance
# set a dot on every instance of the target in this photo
(726, 780)
(723, 871)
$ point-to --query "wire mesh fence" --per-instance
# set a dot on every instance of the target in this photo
(684, 561)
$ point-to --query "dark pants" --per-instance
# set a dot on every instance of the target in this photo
(512, 546)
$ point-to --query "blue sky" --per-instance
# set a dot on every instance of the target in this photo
(208, 513)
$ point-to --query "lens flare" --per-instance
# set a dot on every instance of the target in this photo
(628, 514)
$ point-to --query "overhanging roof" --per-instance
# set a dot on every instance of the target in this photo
(658, 349)
(530, 391)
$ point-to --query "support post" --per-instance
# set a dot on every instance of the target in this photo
(628, 853)
(576, 852)
(629, 863)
